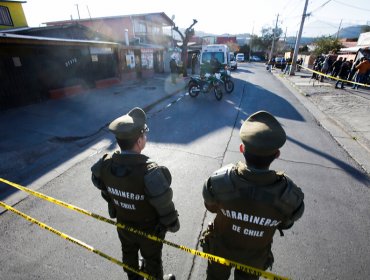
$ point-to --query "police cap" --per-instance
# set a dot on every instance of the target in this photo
(129, 126)
(262, 134)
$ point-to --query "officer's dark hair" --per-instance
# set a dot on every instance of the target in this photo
(259, 162)
(127, 144)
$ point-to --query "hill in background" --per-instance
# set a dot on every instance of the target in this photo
(351, 31)
(345, 32)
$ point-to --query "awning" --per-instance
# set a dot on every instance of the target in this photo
(353, 49)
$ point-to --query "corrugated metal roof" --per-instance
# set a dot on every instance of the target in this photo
(161, 16)
(4, 36)
(15, 1)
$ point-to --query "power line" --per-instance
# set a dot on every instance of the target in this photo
(346, 23)
(319, 8)
(290, 15)
(292, 8)
(325, 22)
(354, 7)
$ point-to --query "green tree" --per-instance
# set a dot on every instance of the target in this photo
(268, 35)
(232, 46)
(327, 44)
(303, 49)
(257, 43)
(244, 49)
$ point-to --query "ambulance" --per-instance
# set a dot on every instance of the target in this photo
(217, 51)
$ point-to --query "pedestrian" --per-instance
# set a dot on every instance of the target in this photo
(194, 62)
(138, 193)
(269, 65)
(336, 66)
(317, 68)
(299, 64)
(362, 70)
(350, 64)
(283, 64)
(353, 71)
(215, 65)
(332, 59)
(325, 67)
(288, 66)
(174, 70)
(250, 201)
(343, 73)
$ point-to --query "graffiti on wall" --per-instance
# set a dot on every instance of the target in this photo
(147, 58)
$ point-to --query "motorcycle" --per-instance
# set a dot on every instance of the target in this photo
(226, 78)
(205, 84)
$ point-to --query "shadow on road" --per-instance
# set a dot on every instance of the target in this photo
(355, 173)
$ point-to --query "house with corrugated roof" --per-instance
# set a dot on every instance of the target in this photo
(12, 14)
(68, 57)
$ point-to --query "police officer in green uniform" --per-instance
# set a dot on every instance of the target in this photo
(138, 193)
(251, 201)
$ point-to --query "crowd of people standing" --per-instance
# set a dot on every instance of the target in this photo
(346, 70)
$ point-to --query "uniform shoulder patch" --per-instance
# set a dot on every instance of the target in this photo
(151, 164)
(220, 180)
(292, 196)
(96, 168)
(157, 181)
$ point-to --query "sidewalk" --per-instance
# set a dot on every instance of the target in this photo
(49, 137)
(344, 113)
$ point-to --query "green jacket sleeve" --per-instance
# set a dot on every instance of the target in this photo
(159, 192)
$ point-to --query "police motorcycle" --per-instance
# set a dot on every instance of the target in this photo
(226, 78)
(206, 83)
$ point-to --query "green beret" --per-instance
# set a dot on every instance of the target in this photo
(262, 134)
(130, 125)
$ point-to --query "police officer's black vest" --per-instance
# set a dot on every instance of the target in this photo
(123, 176)
(248, 214)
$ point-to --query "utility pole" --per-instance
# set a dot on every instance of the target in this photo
(78, 11)
(296, 48)
(87, 7)
(273, 39)
(172, 26)
(340, 24)
(286, 30)
(250, 44)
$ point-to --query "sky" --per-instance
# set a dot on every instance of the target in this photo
(216, 17)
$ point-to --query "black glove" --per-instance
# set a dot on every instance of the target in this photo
(112, 211)
(174, 227)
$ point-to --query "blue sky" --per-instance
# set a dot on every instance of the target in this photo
(217, 17)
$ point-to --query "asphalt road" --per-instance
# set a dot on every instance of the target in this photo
(193, 137)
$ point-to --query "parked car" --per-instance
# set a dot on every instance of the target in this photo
(255, 58)
(280, 62)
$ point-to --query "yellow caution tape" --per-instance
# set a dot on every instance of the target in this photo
(331, 77)
(210, 257)
(75, 241)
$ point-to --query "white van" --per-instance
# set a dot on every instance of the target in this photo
(233, 63)
(215, 51)
(240, 57)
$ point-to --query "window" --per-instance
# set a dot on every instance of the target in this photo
(140, 27)
(156, 30)
(206, 57)
(5, 18)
